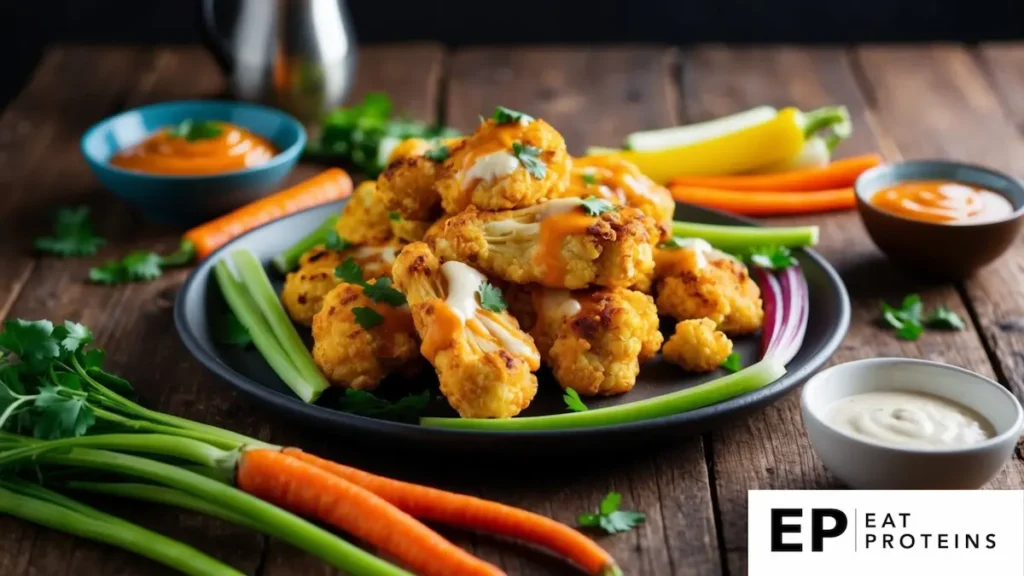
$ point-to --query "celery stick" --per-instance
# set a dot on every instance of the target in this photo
(749, 379)
(730, 238)
(287, 260)
(651, 140)
(262, 336)
(255, 280)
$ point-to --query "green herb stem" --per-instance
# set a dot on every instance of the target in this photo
(731, 238)
(749, 379)
(262, 335)
(152, 427)
(834, 118)
(275, 521)
(118, 533)
(185, 254)
(158, 444)
(166, 496)
(289, 259)
(255, 279)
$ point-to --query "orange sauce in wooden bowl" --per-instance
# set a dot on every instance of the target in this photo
(196, 148)
(943, 202)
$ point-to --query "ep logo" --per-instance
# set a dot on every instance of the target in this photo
(823, 523)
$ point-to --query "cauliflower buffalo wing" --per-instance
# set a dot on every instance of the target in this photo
(509, 164)
(595, 340)
(697, 346)
(364, 220)
(565, 243)
(623, 184)
(484, 361)
(696, 281)
(359, 354)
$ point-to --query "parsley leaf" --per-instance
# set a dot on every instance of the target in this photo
(232, 332)
(381, 291)
(193, 130)
(439, 154)
(32, 342)
(367, 317)
(349, 272)
(59, 416)
(92, 358)
(609, 518)
(573, 402)
(733, 363)
(491, 298)
(72, 234)
(595, 206)
(504, 115)
(590, 178)
(943, 317)
(141, 266)
(906, 319)
(406, 409)
(529, 156)
(72, 335)
(770, 257)
(394, 216)
(335, 242)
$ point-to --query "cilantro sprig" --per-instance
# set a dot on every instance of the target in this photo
(380, 290)
(769, 257)
(368, 318)
(141, 266)
(439, 154)
(491, 298)
(504, 115)
(573, 401)
(909, 319)
(72, 234)
(406, 409)
(529, 157)
(192, 130)
(609, 518)
(595, 206)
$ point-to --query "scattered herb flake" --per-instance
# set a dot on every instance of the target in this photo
(529, 156)
(368, 318)
(439, 154)
(350, 272)
(770, 257)
(573, 402)
(906, 319)
(382, 291)
(595, 206)
(944, 318)
(193, 130)
(72, 234)
(590, 178)
(504, 115)
(491, 298)
(232, 332)
(609, 518)
(336, 242)
(394, 216)
(733, 363)
(406, 409)
(140, 266)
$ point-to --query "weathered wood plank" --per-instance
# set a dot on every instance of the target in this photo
(1004, 64)
(770, 449)
(596, 96)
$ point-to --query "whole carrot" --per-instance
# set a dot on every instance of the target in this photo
(465, 511)
(766, 203)
(330, 185)
(838, 174)
(294, 485)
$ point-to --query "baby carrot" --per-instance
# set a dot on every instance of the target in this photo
(299, 487)
(475, 513)
(766, 203)
(330, 185)
(838, 174)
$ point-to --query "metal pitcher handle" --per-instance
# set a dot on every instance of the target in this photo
(212, 38)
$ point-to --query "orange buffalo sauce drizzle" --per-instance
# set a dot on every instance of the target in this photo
(444, 326)
(488, 141)
(233, 149)
(553, 230)
(941, 201)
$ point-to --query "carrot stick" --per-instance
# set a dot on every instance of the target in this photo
(330, 185)
(838, 174)
(464, 511)
(766, 203)
(298, 487)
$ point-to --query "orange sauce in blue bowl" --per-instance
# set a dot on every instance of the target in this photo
(196, 148)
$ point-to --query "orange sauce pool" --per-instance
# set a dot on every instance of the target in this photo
(942, 201)
(201, 148)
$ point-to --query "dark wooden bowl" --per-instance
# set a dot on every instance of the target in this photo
(948, 251)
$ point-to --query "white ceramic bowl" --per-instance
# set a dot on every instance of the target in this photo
(865, 464)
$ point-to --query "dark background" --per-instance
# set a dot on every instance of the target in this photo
(31, 24)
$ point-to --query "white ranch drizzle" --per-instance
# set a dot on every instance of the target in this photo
(490, 167)
(560, 303)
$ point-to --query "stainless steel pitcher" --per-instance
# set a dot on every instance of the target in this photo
(298, 55)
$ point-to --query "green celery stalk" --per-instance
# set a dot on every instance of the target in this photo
(262, 336)
(161, 444)
(287, 260)
(63, 514)
(749, 379)
(730, 238)
(254, 278)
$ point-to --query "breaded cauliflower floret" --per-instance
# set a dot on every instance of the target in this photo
(619, 181)
(595, 340)
(697, 346)
(557, 244)
(406, 186)
(699, 282)
(409, 230)
(352, 356)
(483, 360)
(489, 168)
(305, 288)
(364, 220)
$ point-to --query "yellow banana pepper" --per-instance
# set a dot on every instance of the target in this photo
(773, 141)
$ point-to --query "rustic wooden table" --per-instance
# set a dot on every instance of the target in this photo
(948, 101)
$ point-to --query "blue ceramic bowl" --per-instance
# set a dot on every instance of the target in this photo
(188, 200)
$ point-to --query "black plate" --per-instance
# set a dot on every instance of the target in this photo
(197, 304)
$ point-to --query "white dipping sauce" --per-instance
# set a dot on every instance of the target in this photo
(911, 419)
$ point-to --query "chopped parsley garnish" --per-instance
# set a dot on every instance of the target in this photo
(72, 234)
(529, 156)
(394, 216)
(770, 257)
(733, 363)
(406, 409)
(336, 242)
(193, 130)
(349, 272)
(379, 291)
(367, 317)
(232, 332)
(439, 154)
(504, 115)
(596, 206)
(943, 317)
(573, 402)
(590, 178)
(491, 298)
(140, 266)
(609, 518)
